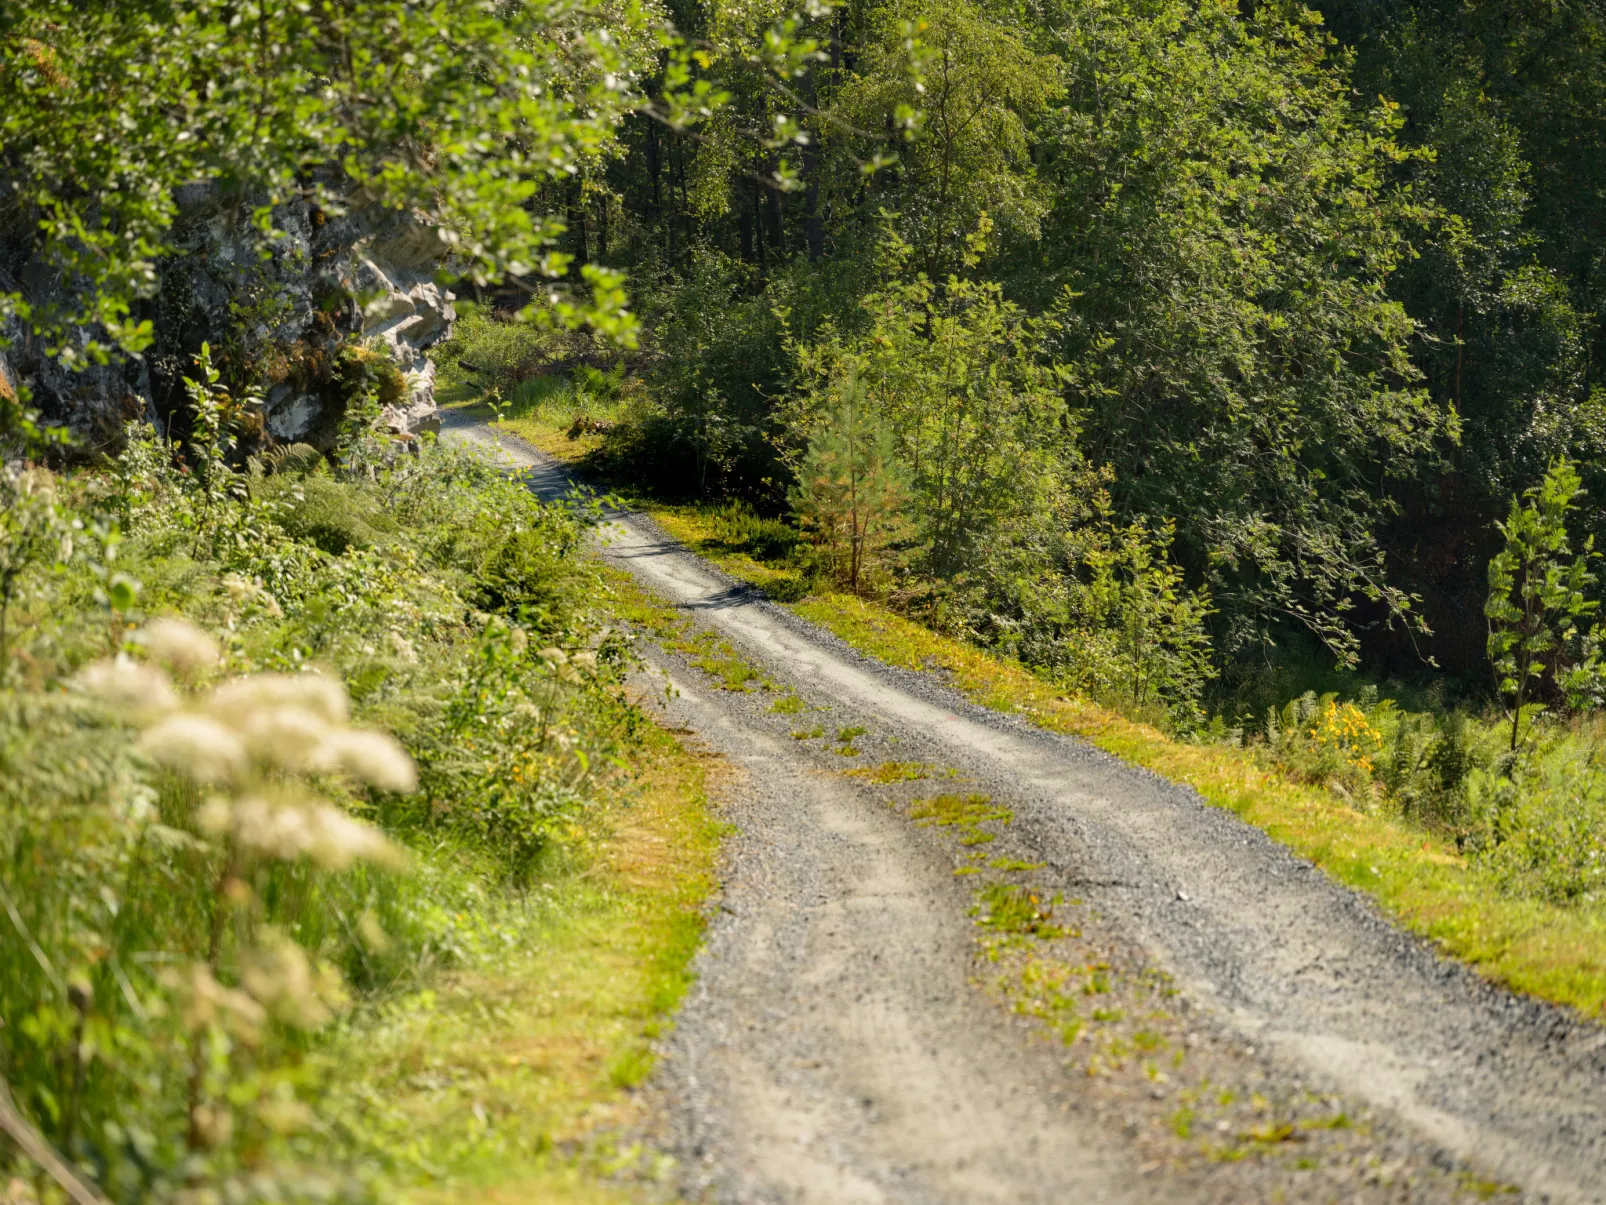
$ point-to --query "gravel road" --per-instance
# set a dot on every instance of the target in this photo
(1185, 1011)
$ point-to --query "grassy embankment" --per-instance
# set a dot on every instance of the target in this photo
(1555, 952)
(241, 961)
(510, 1079)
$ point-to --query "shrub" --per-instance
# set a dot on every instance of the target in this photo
(487, 352)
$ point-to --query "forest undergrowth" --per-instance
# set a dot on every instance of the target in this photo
(317, 785)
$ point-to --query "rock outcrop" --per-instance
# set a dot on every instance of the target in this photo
(329, 305)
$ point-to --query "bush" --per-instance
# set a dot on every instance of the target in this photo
(486, 352)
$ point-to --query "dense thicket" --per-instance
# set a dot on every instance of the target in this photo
(1320, 288)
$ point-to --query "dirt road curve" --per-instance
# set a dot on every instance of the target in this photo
(1191, 1013)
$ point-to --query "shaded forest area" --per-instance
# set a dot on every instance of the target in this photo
(1310, 297)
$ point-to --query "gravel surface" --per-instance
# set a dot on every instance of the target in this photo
(1188, 1012)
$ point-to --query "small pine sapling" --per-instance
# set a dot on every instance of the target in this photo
(850, 497)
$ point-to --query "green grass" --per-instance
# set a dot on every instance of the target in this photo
(509, 1079)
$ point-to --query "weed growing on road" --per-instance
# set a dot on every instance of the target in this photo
(1187, 1097)
(845, 738)
(964, 813)
(895, 771)
(704, 649)
(1016, 910)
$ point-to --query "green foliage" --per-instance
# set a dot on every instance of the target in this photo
(740, 529)
(1538, 602)
(1227, 323)
(1137, 631)
(1509, 100)
(973, 82)
(960, 376)
(32, 533)
(850, 498)
(486, 352)
(1537, 822)
(181, 914)
(325, 101)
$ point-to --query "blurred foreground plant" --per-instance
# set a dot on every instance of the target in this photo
(226, 1007)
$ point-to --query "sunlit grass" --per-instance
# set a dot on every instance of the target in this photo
(510, 1080)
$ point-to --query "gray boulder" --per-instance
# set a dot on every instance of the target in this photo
(327, 304)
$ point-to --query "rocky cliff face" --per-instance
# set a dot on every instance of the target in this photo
(329, 305)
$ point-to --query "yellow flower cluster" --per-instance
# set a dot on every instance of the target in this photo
(1344, 727)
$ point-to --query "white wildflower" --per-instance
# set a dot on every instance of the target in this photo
(586, 662)
(136, 805)
(288, 830)
(239, 587)
(281, 978)
(242, 590)
(377, 759)
(339, 839)
(215, 816)
(196, 746)
(213, 1124)
(555, 657)
(290, 737)
(126, 684)
(235, 702)
(372, 932)
(179, 643)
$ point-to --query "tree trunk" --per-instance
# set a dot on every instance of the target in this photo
(577, 227)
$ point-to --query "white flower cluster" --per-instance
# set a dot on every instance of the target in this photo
(250, 739)
(251, 742)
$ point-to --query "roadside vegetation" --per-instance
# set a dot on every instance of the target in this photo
(1223, 382)
(335, 862)
(1231, 373)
